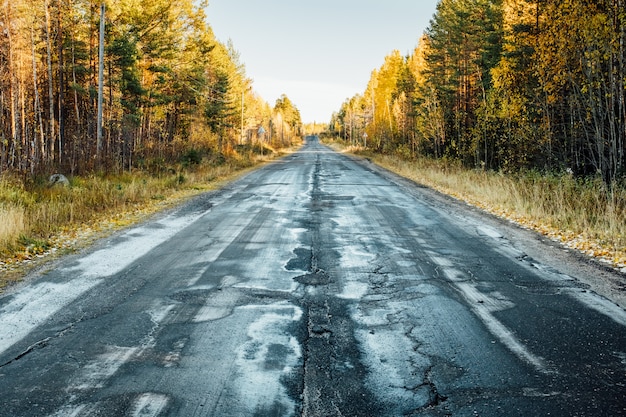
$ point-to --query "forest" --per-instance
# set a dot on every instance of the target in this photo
(161, 88)
(504, 85)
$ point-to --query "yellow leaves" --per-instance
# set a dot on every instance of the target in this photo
(417, 61)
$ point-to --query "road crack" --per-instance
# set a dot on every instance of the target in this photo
(40, 344)
(333, 376)
(435, 398)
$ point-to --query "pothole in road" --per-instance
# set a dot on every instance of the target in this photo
(192, 297)
(302, 261)
(318, 277)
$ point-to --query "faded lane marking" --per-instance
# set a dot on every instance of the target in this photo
(219, 305)
(34, 304)
(71, 411)
(97, 371)
(484, 305)
(269, 355)
(599, 304)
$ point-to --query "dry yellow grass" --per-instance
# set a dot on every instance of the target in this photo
(582, 214)
(12, 223)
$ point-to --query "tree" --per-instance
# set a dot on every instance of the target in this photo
(218, 109)
(387, 78)
(286, 120)
(464, 45)
(166, 78)
(590, 87)
(430, 124)
(506, 85)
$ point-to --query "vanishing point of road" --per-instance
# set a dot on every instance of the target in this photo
(318, 285)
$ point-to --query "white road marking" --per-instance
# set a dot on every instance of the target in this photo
(138, 242)
(354, 290)
(218, 305)
(95, 374)
(34, 304)
(484, 305)
(489, 232)
(70, 411)
(600, 304)
(507, 337)
(97, 371)
(269, 354)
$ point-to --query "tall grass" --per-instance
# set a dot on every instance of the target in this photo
(584, 214)
(12, 224)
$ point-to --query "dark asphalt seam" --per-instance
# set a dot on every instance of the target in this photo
(309, 364)
(435, 398)
(37, 345)
(332, 384)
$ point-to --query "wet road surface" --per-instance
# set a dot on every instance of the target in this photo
(315, 286)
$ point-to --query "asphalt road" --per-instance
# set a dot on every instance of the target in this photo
(316, 286)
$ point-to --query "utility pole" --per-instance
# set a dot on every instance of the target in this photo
(100, 85)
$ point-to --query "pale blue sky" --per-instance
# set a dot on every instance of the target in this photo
(317, 52)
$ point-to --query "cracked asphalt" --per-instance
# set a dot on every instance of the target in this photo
(318, 285)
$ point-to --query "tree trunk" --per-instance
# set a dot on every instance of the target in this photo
(40, 148)
(11, 82)
(61, 108)
(100, 85)
(51, 125)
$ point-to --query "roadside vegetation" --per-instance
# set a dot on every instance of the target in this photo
(147, 111)
(508, 85)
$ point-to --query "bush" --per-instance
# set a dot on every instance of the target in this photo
(191, 157)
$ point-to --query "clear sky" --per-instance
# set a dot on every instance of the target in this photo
(317, 52)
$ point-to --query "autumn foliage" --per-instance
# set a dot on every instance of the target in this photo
(516, 106)
(178, 113)
(504, 85)
(169, 87)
